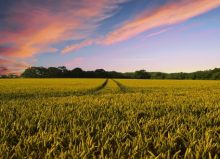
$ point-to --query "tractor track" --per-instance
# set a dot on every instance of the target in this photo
(121, 86)
(56, 94)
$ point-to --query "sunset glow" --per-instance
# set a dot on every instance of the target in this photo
(123, 35)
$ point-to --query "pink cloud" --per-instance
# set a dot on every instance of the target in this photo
(171, 13)
(44, 25)
(34, 28)
(74, 62)
(8, 66)
(157, 33)
(74, 47)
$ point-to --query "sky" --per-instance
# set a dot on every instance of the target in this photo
(121, 35)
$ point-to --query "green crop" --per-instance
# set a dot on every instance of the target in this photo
(98, 118)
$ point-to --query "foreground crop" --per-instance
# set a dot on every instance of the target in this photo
(109, 119)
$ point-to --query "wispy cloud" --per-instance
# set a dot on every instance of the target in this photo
(74, 62)
(11, 66)
(29, 28)
(157, 33)
(32, 28)
(169, 14)
(42, 25)
(77, 46)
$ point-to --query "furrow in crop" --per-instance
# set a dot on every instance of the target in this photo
(54, 94)
(121, 86)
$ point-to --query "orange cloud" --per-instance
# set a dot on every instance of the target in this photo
(8, 66)
(74, 47)
(42, 25)
(169, 14)
(31, 28)
(157, 33)
(74, 62)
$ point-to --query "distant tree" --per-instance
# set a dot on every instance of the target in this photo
(216, 70)
(158, 75)
(62, 71)
(129, 75)
(142, 74)
(100, 70)
(30, 72)
(114, 74)
(4, 76)
(216, 76)
(35, 72)
(77, 72)
(54, 72)
(191, 76)
(62, 68)
(101, 73)
(12, 75)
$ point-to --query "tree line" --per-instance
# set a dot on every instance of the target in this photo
(63, 72)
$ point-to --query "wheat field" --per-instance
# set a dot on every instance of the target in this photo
(109, 118)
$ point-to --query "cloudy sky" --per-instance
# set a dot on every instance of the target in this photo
(122, 35)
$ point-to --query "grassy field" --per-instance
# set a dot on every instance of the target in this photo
(99, 118)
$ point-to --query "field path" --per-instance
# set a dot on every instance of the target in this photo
(121, 86)
(56, 94)
(97, 89)
(89, 91)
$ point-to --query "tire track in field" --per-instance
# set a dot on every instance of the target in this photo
(121, 86)
(55, 94)
(97, 89)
